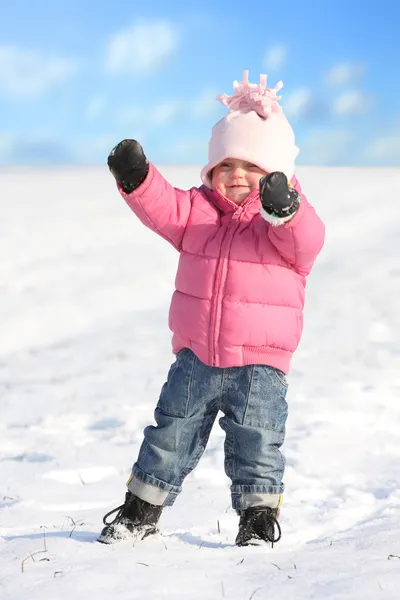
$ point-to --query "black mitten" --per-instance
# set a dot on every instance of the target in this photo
(129, 165)
(277, 198)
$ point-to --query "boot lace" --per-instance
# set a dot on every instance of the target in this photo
(119, 510)
(268, 524)
(272, 524)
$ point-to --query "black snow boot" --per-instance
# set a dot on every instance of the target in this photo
(257, 526)
(135, 519)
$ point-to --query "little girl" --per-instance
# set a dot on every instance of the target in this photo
(247, 239)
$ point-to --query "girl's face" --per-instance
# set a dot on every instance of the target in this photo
(236, 178)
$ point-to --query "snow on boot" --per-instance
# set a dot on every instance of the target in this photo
(135, 519)
(257, 526)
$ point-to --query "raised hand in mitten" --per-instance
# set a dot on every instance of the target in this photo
(129, 165)
(278, 199)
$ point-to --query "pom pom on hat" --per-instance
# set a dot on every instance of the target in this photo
(250, 96)
(255, 130)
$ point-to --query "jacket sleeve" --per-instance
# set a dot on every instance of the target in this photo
(161, 207)
(300, 240)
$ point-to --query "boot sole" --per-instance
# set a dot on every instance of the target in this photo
(125, 534)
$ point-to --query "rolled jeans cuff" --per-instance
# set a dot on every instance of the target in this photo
(152, 490)
(249, 496)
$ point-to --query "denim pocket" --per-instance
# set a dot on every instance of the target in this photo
(266, 405)
(175, 393)
(280, 376)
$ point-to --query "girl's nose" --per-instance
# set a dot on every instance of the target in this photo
(237, 171)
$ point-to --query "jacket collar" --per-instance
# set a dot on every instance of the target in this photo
(250, 205)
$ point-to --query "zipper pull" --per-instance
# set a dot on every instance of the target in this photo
(237, 213)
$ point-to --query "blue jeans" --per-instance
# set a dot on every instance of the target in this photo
(252, 399)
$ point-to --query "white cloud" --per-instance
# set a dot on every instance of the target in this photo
(385, 148)
(344, 73)
(206, 104)
(25, 73)
(132, 114)
(40, 148)
(189, 150)
(323, 147)
(142, 48)
(298, 103)
(351, 103)
(275, 57)
(7, 142)
(169, 110)
(96, 106)
(96, 149)
(160, 114)
(164, 113)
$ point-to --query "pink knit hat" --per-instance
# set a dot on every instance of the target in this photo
(255, 130)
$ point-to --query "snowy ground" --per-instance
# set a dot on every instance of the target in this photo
(84, 349)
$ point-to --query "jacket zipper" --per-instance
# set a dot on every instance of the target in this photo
(226, 243)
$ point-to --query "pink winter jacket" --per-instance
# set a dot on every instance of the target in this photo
(240, 282)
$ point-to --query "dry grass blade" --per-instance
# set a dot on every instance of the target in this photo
(33, 554)
(254, 593)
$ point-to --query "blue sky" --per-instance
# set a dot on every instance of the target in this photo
(78, 76)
